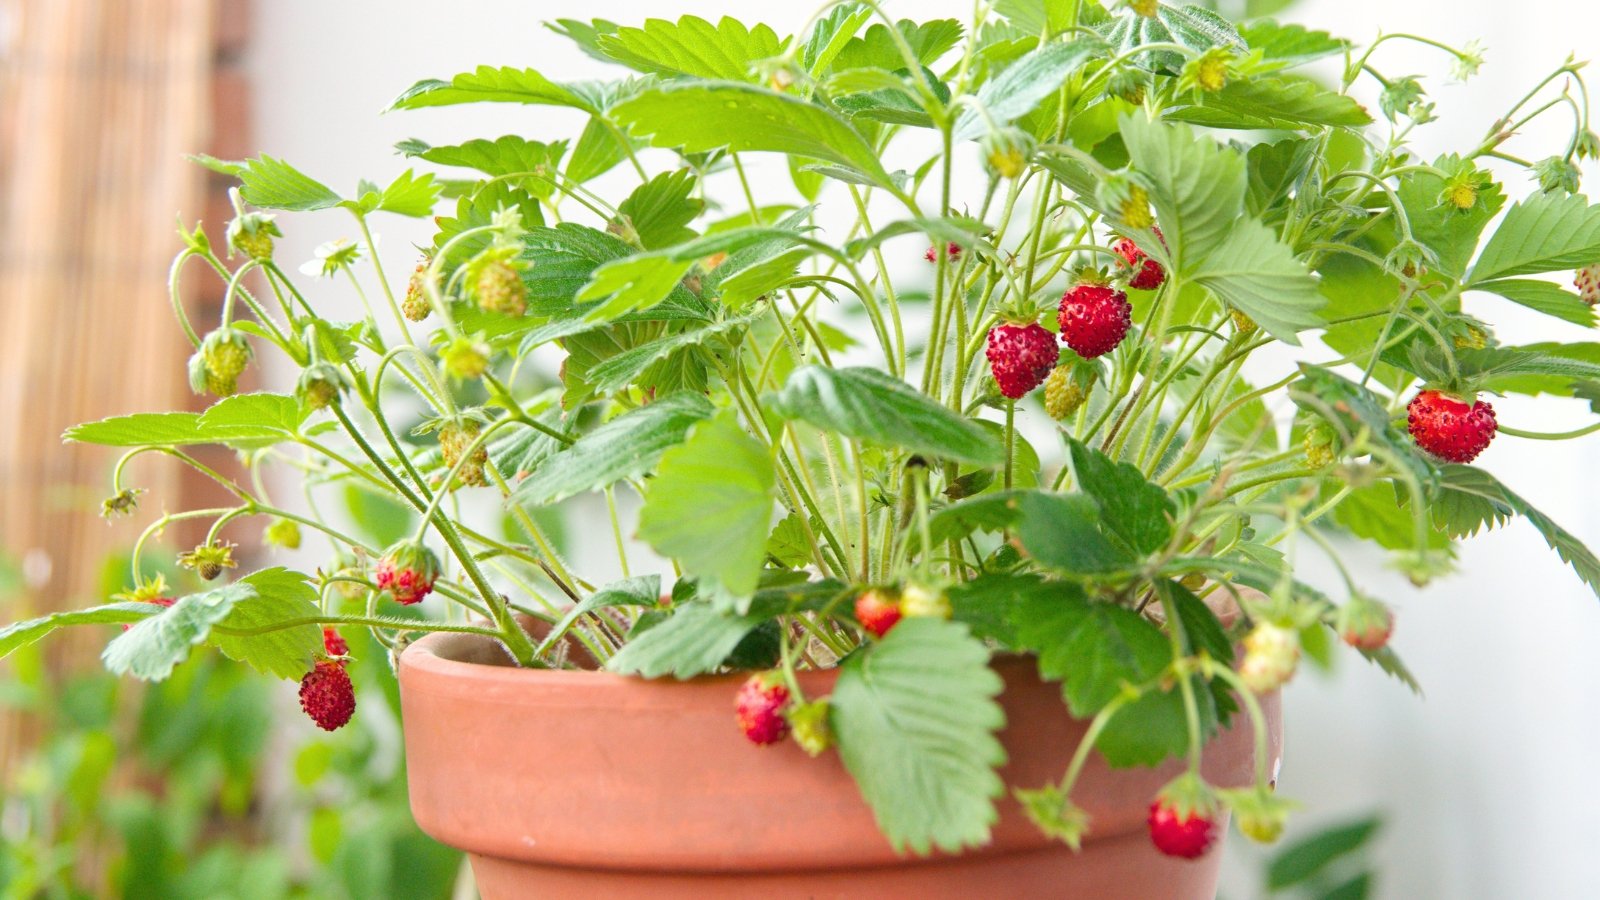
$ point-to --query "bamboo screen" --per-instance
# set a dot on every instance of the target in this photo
(99, 101)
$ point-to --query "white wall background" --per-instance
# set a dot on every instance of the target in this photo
(1491, 785)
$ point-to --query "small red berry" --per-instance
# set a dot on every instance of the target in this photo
(334, 642)
(1094, 319)
(952, 252)
(1147, 273)
(877, 611)
(759, 708)
(1448, 428)
(1021, 357)
(1178, 835)
(327, 695)
(407, 571)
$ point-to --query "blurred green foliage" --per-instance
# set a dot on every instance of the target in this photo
(210, 785)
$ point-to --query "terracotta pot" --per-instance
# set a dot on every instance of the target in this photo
(588, 784)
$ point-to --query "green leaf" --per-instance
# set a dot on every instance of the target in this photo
(868, 404)
(643, 590)
(1483, 500)
(1063, 532)
(877, 48)
(1452, 234)
(694, 640)
(1035, 17)
(477, 209)
(710, 505)
(274, 184)
(503, 156)
(1138, 512)
(1022, 85)
(20, 634)
(698, 116)
(787, 544)
(1301, 861)
(619, 370)
(408, 195)
(625, 447)
(1543, 233)
(830, 34)
(1274, 101)
(661, 209)
(153, 646)
(692, 46)
(1093, 648)
(1544, 297)
(990, 604)
(1194, 27)
(280, 596)
(241, 420)
(630, 284)
(1276, 171)
(1288, 44)
(916, 718)
(1257, 274)
(488, 84)
(1197, 187)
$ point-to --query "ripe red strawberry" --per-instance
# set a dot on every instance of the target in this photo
(407, 571)
(1021, 356)
(759, 708)
(952, 252)
(334, 642)
(327, 695)
(1094, 319)
(877, 610)
(1448, 428)
(1147, 273)
(1188, 835)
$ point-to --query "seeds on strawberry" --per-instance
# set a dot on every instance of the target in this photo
(407, 571)
(1066, 389)
(919, 601)
(1021, 357)
(1186, 834)
(1094, 319)
(878, 610)
(759, 708)
(327, 695)
(416, 306)
(1588, 283)
(1147, 274)
(455, 440)
(1449, 429)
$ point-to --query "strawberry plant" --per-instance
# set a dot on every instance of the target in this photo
(1065, 330)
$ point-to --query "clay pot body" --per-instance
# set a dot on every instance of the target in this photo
(589, 784)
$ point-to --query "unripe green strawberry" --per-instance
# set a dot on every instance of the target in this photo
(494, 282)
(284, 533)
(455, 440)
(1242, 323)
(1067, 388)
(923, 601)
(1053, 813)
(1006, 152)
(1319, 444)
(251, 234)
(1134, 210)
(1271, 654)
(1260, 813)
(465, 359)
(320, 385)
(416, 306)
(808, 725)
(221, 359)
